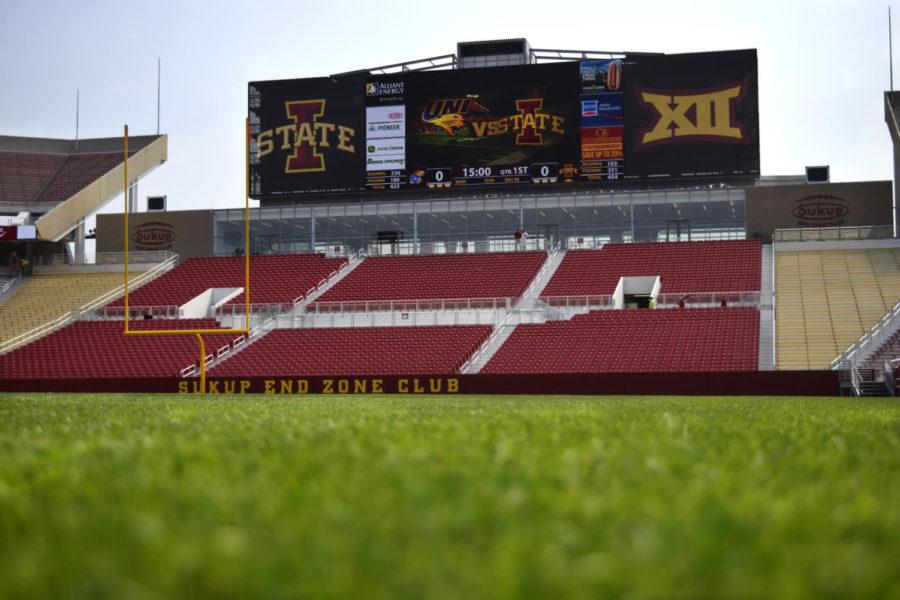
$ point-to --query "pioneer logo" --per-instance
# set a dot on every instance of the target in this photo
(707, 115)
(154, 235)
(820, 210)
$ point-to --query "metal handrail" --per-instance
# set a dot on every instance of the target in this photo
(828, 234)
(66, 318)
(883, 329)
(424, 304)
(600, 301)
(889, 382)
(105, 258)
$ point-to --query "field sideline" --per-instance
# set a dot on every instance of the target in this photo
(128, 496)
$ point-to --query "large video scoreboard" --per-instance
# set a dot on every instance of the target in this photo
(646, 117)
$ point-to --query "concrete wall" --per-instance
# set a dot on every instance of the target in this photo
(817, 205)
(188, 233)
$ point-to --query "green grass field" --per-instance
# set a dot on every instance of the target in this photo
(468, 497)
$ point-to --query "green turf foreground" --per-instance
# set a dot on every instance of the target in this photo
(479, 497)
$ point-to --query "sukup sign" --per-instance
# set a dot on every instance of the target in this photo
(820, 211)
(153, 235)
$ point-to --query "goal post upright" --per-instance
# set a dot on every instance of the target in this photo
(195, 332)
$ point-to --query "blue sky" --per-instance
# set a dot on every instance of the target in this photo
(823, 67)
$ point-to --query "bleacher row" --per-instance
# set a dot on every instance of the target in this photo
(31, 177)
(601, 341)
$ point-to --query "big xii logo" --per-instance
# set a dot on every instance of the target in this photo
(528, 123)
(705, 116)
(308, 138)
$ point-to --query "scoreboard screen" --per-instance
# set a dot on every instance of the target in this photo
(492, 126)
(592, 121)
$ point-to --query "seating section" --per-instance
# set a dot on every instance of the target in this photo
(357, 351)
(30, 177)
(273, 279)
(43, 298)
(826, 300)
(499, 275)
(720, 266)
(100, 349)
(693, 339)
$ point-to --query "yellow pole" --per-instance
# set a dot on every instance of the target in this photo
(125, 139)
(202, 364)
(247, 232)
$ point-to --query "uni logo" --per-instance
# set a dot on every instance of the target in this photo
(702, 116)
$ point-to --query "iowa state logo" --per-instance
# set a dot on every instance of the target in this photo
(307, 137)
(678, 116)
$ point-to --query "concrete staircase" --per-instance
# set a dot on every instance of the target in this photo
(529, 302)
(766, 312)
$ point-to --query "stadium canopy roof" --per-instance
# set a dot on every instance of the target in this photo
(64, 181)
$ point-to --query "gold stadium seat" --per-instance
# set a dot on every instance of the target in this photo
(826, 299)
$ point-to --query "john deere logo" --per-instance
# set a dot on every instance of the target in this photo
(821, 209)
(154, 235)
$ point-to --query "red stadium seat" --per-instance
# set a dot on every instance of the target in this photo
(694, 339)
(721, 266)
(357, 351)
(100, 349)
(500, 275)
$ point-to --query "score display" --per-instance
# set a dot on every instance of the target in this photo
(642, 117)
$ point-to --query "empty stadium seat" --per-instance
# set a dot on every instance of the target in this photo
(500, 275)
(37, 177)
(100, 349)
(720, 266)
(43, 298)
(825, 300)
(273, 279)
(357, 351)
(662, 340)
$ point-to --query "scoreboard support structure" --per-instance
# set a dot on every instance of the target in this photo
(197, 333)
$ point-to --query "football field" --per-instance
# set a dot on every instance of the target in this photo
(130, 496)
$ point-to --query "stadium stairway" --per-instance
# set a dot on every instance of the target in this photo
(530, 300)
(354, 262)
(766, 312)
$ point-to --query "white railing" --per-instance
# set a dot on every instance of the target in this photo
(593, 302)
(409, 248)
(879, 333)
(220, 354)
(443, 304)
(395, 319)
(498, 330)
(889, 382)
(257, 310)
(824, 234)
(585, 243)
(305, 297)
(65, 319)
(105, 258)
(707, 299)
(135, 313)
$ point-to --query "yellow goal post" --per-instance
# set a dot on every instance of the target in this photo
(196, 332)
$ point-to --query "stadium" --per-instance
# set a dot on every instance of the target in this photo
(508, 228)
